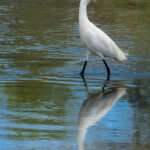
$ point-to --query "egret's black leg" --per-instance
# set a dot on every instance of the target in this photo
(84, 80)
(83, 69)
(108, 70)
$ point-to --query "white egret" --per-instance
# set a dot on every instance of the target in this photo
(96, 40)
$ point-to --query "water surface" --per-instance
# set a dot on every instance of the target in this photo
(44, 103)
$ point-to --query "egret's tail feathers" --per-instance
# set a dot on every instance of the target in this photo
(119, 55)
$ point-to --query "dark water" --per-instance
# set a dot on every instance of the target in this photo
(44, 104)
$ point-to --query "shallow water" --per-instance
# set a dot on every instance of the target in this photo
(44, 103)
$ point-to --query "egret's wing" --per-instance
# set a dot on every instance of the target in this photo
(98, 42)
(111, 49)
(101, 44)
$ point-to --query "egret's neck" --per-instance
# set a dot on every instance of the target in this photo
(83, 11)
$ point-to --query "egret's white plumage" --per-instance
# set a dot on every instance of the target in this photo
(96, 40)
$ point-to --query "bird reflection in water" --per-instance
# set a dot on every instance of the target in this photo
(95, 107)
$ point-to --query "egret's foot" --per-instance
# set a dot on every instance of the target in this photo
(108, 77)
(84, 81)
(82, 74)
